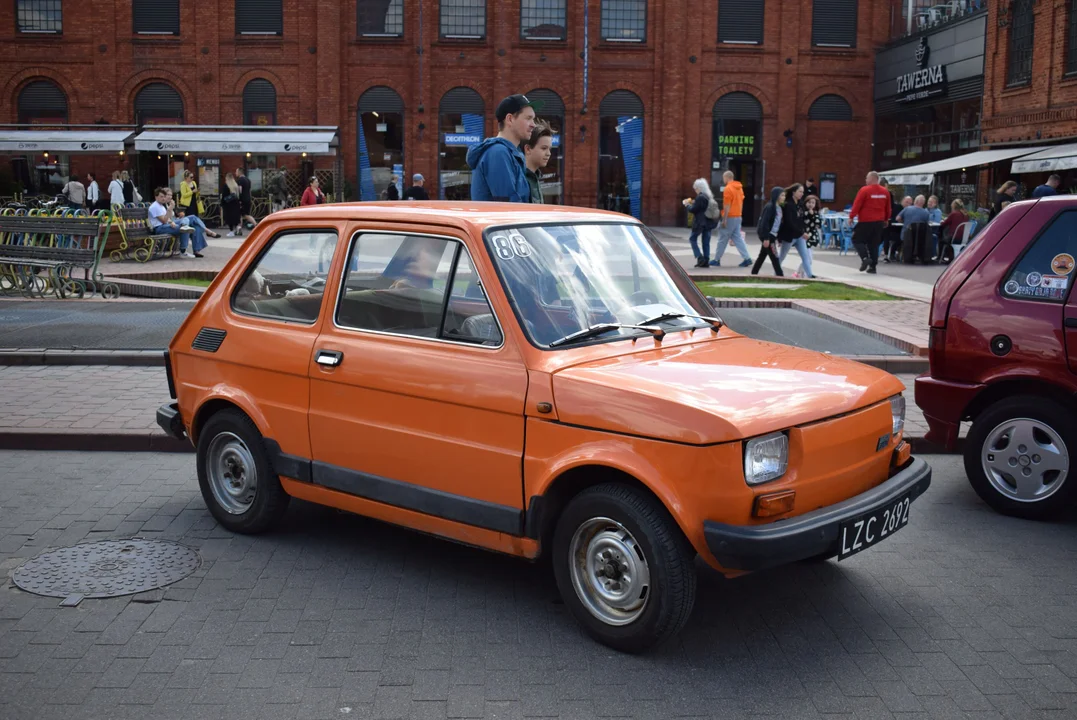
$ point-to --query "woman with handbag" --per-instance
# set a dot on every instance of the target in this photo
(189, 201)
(313, 195)
(230, 206)
(705, 214)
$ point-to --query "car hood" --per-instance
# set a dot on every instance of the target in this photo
(715, 391)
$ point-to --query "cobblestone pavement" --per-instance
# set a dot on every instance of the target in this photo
(963, 614)
(116, 398)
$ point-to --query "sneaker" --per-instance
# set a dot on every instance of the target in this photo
(715, 263)
(886, 260)
(185, 256)
(231, 234)
(199, 255)
(745, 263)
(701, 262)
(871, 270)
(863, 265)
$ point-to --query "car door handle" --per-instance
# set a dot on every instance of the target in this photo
(1071, 322)
(329, 358)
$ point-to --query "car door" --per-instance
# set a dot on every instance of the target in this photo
(417, 398)
(1065, 263)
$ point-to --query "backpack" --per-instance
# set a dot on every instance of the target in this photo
(760, 231)
(712, 212)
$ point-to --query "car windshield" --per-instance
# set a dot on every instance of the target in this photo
(566, 279)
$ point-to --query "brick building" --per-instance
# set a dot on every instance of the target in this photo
(645, 94)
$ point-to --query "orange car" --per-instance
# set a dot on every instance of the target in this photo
(529, 379)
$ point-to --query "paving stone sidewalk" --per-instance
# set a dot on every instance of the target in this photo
(962, 614)
(97, 398)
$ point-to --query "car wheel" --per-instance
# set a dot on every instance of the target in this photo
(235, 476)
(623, 567)
(1018, 457)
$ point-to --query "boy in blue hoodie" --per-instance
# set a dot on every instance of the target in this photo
(498, 168)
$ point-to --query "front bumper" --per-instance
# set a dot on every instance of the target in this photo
(756, 547)
(168, 417)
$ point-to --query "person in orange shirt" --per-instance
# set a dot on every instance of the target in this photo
(729, 228)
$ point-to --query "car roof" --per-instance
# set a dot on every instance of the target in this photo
(467, 214)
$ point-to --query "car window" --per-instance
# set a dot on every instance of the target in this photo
(1046, 271)
(400, 283)
(287, 281)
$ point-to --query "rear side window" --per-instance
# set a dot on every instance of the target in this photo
(287, 281)
(415, 285)
(1046, 271)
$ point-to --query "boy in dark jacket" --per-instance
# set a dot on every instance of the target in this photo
(498, 167)
(769, 223)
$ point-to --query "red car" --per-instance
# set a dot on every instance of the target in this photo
(1004, 356)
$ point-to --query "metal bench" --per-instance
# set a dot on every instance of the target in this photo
(40, 252)
(137, 241)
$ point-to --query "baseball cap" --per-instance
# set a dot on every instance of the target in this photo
(514, 104)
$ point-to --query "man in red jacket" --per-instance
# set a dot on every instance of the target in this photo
(872, 207)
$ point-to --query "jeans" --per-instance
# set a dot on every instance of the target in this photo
(706, 241)
(176, 231)
(802, 249)
(731, 231)
(199, 232)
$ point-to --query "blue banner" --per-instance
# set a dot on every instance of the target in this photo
(366, 179)
(632, 154)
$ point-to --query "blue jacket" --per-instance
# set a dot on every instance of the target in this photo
(1044, 190)
(498, 172)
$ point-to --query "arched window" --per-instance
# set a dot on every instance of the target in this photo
(381, 143)
(259, 103)
(620, 153)
(552, 177)
(737, 145)
(158, 104)
(42, 100)
(830, 107)
(461, 124)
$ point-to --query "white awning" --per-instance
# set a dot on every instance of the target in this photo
(1061, 157)
(223, 141)
(924, 174)
(63, 141)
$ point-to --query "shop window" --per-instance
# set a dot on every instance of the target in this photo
(542, 19)
(259, 17)
(1071, 35)
(830, 107)
(39, 16)
(463, 19)
(1019, 65)
(155, 17)
(42, 100)
(381, 18)
(833, 23)
(740, 22)
(624, 20)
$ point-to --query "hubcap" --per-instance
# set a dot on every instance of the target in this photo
(232, 475)
(1025, 460)
(609, 571)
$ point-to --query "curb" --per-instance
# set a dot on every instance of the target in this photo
(147, 441)
(138, 358)
(136, 441)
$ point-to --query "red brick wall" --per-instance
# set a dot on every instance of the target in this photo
(1046, 108)
(320, 68)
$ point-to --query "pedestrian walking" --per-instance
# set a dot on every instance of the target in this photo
(813, 225)
(537, 151)
(792, 232)
(231, 207)
(769, 222)
(498, 167)
(871, 209)
(278, 189)
(115, 190)
(732, 221)
(130, 194)
(245, 201)
(1049, 188)
(1003, 197)
(416, 191)
(75, 192)
(705, 214)
(393, 192)
(313, 195)
(93, 192)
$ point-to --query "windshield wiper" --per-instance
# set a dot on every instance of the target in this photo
(716, 323)
(595, 330)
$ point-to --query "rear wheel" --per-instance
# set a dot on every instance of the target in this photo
(623, 567)
(235, 476)
(1019, 457)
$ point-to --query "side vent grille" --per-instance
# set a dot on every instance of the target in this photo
(208, 339)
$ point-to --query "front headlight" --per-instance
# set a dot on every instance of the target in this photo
(766, 458)
(897, 411)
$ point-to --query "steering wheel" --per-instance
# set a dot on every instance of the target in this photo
(643, 297)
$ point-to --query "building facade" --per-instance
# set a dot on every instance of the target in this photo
(644, 95)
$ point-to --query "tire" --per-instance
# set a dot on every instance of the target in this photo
(994, 464)
(618, 519)
(235, 476)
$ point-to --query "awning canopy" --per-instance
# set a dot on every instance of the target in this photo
(1061, 157)
(281, 140)
(924, 174)
(63, 141)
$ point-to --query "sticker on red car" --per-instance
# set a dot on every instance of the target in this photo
(1062, 264)
(1057, 282)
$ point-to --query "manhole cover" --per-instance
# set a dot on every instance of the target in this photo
(110, 568)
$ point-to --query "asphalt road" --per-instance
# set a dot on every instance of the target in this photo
(963, 613)
(151, 325)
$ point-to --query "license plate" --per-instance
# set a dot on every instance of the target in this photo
(867, 530)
